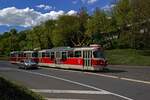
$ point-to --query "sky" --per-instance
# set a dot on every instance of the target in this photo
(24, 14)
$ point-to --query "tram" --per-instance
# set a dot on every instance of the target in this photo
(19, 56)
(83, 58)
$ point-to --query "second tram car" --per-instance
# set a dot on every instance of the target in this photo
(19, 56)
(84, 58)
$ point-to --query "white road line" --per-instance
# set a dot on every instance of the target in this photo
(109, 76)
(134, 80)
(81, 72)
(121, 78)
(74, 82)
(62, 99)
(70, 91)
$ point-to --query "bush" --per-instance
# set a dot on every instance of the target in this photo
(11, 91)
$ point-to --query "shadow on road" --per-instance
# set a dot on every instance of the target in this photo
(106, 70)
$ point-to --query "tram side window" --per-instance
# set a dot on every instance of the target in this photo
(47, 54)
(35, 54)
(43, 54)
(64, 55)
(52, 55)
(39, 54)
(27, 55)
(70, 54)
(24, 55)
(77, 54)
(19, 55)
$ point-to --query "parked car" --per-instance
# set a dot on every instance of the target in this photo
(27, 64)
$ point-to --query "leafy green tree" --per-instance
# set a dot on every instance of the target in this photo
(67, 27)
(123, 13)
(141, 26)
(99, 27)
(38, 34)
(13, 39)
(49, 26)
(58, 39)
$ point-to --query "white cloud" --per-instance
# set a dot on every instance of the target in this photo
(28, 17)
(108, 7)
(72, 12)
(89, 1)
(51, 15)
(22, 17)
(45, 7)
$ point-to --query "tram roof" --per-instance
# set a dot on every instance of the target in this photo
(45, 50)
(61, 49)
(17, 52)
(85, 48)
(14, 52)
(68, 49)
(28, 51)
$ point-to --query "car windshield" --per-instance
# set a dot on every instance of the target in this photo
(29, 61)
(98, 54)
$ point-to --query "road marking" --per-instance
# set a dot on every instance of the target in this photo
(121, 78)
(134, 80)
(109, 76)
(5, 68)
(62, 99)
(70, 91)
(74, 82)
(80, 72)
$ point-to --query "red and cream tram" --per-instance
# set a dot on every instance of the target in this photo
(84, 58)
(18, 56)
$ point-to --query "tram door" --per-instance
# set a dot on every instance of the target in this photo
(57, 57)
(87, 55)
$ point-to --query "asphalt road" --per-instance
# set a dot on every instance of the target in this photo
(117, 83)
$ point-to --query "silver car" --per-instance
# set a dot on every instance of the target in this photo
(29, 63)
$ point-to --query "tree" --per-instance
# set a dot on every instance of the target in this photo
(99, 27)
(83, 18)
(39, 37)
(13, 39)
(123, 14)
(67, 27)
(141, 24)
(49, 26)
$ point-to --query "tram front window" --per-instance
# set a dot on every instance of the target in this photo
(98, 54)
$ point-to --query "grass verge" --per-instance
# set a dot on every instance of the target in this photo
(127, 57)
(4, 58)
(11, 91)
